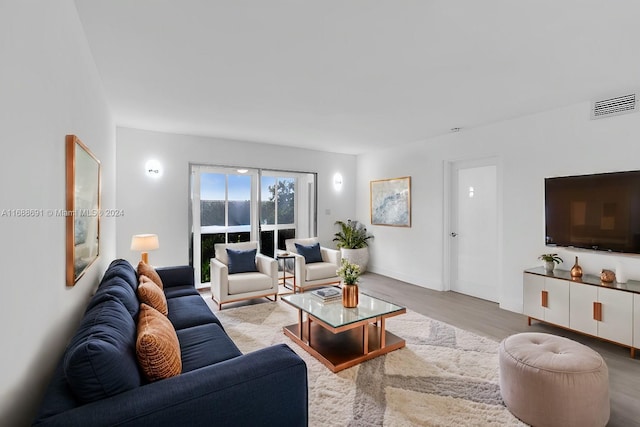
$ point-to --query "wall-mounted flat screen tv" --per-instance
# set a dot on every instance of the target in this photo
(600, 212)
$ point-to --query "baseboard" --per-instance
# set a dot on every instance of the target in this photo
(417, 281)
(512, 305)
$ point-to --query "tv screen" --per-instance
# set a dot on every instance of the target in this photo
(600, 212)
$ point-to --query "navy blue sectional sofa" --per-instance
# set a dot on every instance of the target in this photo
(98, 381)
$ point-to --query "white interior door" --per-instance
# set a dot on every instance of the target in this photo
(474, 229)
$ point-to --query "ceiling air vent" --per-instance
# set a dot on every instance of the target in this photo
(614, 106)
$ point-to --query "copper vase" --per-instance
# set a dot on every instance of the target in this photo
(350, 296)
(576, 270)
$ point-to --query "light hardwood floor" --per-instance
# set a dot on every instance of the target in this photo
(487, 319)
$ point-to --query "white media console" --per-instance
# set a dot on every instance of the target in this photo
(610, 311)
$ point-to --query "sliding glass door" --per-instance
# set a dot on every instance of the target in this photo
(223, 211)
(277, 212)
(231, 205)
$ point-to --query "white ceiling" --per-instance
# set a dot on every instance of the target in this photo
(353, 76)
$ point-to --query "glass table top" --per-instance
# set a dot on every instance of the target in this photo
(335, 315)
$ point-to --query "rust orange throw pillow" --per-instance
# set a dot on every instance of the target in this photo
(157, 346)
(150, 272)
(150, 294)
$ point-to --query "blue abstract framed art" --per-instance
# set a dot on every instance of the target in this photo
(391, 202)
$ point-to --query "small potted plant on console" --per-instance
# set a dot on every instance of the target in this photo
(550, 261)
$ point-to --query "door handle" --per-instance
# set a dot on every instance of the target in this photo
(544, 299)
(454, 234)
(597, 311)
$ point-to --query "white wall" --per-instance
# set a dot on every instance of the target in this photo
(161, 205)
(50, 88)
(553, 143)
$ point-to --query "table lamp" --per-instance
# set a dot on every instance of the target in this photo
(144, 243)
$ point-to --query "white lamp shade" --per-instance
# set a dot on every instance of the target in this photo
(144, 242)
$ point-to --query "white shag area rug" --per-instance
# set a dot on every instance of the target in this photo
(445, 376)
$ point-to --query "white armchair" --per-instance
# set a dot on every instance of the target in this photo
(312, 275)
(259, 283)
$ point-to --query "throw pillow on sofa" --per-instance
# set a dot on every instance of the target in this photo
(242, 261)
(157, 345)
(100, 361)
(145, 269)
(150, 294)
(310, 253)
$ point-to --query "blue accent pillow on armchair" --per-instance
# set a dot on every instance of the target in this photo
(310, 253)
(242, 261)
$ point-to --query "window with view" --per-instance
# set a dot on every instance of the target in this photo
(230, 206)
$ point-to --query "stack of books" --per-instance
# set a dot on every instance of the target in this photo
(327, 294)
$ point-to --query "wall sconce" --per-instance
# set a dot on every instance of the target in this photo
(144, 243)
(337, 181)
(153, 168)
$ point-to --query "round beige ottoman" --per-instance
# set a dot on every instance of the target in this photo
(546, 380)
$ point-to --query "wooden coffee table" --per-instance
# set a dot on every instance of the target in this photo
(342, 337)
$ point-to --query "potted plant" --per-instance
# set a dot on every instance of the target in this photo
(352, 242)
(349, 273)
(550, 261)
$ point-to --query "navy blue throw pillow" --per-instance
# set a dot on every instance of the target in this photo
(310, 253)
(242, 261)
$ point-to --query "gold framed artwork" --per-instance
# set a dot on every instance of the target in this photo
(82, 212)
(391, 202)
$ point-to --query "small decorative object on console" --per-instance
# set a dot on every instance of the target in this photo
(621, 276)
(550, 261)
(608, 276)
(576, 270)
